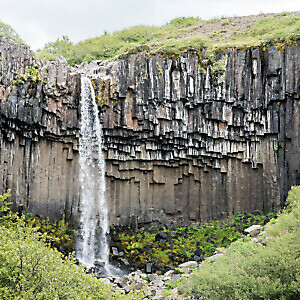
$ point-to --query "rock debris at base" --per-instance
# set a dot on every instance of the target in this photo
(153, 285)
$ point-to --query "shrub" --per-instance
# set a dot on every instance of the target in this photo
(252, 271)
(30, 269)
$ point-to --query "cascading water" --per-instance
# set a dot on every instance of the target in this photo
(92, 248)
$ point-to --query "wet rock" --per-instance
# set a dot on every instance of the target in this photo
(213, 257)
(196, 258)
(148, 268)
(115, 251)
(169, 273)
(124, 261)
(126, 289)
(158, 283)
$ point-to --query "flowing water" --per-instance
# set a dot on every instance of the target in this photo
(92, 247)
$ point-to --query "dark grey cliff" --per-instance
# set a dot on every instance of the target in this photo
(179, 144)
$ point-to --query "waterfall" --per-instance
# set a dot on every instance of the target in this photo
(92, 248)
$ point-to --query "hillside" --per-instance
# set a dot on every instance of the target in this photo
(179, 35)
(7, 31)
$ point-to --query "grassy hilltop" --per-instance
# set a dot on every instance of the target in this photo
(180, 34)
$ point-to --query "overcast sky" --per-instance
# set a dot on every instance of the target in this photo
(41, 21)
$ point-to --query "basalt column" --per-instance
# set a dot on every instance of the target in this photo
(179, 142)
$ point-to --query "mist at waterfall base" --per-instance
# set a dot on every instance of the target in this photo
(92, 247)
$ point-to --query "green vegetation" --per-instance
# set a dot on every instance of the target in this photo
(32, 74)
(30, 269)
(253, 271)
(9, 32)
(109, 46)
(179, 35)
(59, 234)
(167, 247)
(267, 30)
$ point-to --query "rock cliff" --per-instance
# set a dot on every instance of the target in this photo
(180, 142)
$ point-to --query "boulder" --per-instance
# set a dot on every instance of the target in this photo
(189, 265)
(253, 230)
(115, 251)
(152, 277)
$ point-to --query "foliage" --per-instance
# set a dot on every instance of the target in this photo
(169, 247)
(176, 46)
(32, 74)
(29, 269)
(276, 30)
(59, 234)
(182, 22)
(129, 40)
(253, 271)
(180, 34)
(9, 32)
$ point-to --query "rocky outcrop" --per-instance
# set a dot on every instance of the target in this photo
(39, 131)
(180, 143)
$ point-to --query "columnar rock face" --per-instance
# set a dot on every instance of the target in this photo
(179, 143)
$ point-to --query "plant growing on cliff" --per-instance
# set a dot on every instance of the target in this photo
(32, 74)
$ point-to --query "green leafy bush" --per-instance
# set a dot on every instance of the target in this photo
(30, 269)
(59, 234)
(253, 271)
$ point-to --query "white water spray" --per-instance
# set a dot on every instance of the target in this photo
(93, 246)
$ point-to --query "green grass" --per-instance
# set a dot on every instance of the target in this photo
(113, 45)
(264, 31)
(253, 271)
(173, 38)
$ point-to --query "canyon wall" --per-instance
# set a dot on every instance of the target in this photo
(181, 143)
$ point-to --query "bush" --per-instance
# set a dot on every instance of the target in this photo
(252, 271)
(30, 269)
